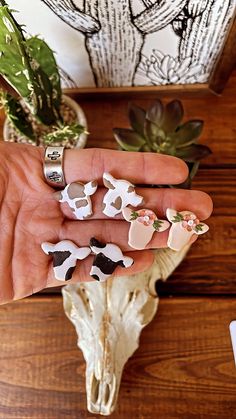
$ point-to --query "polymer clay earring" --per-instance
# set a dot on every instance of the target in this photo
(77, 195)
(120, 194)
(65, 255)
(143, 224)
(184, 225)
(108, 257)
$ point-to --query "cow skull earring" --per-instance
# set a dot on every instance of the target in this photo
(120, 194)
(108, 257)
(143, 224)
(77, 195)
(184, 225)
(65, 255)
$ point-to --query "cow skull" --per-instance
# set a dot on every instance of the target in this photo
(109, 318)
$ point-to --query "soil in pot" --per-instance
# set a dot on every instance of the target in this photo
(69, 117)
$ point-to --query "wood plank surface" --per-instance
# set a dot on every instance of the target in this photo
(184, 368)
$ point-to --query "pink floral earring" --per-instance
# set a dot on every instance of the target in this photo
(144, 223)
(184, 225)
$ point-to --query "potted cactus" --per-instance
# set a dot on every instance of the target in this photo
(36, 110)
(160, 130)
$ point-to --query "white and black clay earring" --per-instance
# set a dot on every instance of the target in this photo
(77, 196)
(183, 225)
(107, 257)
(121, 193)
(65, 255)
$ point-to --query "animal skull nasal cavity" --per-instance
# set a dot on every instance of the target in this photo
(97, 390)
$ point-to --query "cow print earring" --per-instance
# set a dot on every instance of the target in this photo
(120, 194)
(65, 255)
(108, 257)
(77, 195)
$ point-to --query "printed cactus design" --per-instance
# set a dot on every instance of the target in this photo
(200, 24)
(29, 67)
(114, 36)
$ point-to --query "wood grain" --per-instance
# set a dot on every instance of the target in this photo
(226, 61)
(184, 366)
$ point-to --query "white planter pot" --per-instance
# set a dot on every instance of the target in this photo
(81, 119)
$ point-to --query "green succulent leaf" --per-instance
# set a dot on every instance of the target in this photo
(14, 63)
(128, 139)
(155, 112)
(193, 153)
(43, 61)
(193, 170)
(173, 116)
(17, 115)
(188, 133)
(153, 133)
(137, 118)
(64, 134)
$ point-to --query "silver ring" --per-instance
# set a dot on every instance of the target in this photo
(53, 167)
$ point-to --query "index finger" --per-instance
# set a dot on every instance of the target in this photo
(147, 168)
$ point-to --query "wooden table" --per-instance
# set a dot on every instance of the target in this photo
(184, 367)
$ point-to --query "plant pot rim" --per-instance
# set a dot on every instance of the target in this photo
(81, 118)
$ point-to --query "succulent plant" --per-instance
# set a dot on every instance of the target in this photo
(29, 67)
(160, 129)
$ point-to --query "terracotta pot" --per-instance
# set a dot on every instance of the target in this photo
(81, 119)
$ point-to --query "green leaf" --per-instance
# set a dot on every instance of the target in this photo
(198, 227)
(193, 170)
(45, 67)
(137, 118)
(188, 133)
(177, 218)
(14, 63)
(157, 224)
(153, 133)
(17, 115)
(128, 139)
(155, 112)
(63, 134)
(133, 215)
(193, 153)
(173, 116)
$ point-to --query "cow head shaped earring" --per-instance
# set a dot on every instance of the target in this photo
(65, 255)
(108, 257)
(120, 194)
(184, 225)
(77, 195)
(143, 224)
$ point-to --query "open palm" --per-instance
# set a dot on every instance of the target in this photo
(29, 214)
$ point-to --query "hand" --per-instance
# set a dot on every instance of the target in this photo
(29, 214)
